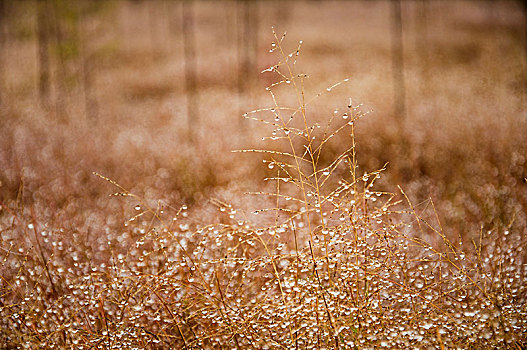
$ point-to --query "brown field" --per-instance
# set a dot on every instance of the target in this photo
(127, 221)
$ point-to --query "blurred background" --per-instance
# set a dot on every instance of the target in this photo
(151, 94)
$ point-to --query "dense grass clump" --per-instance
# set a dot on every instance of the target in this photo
(317, 258)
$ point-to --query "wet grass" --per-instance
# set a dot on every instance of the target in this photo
(335, 228)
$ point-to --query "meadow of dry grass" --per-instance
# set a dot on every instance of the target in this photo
(341, 225)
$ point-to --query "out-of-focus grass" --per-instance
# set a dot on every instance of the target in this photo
(464, 70)
(67, 246)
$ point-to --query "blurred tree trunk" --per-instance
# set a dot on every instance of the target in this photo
(153, 19)
(524, 3)
(60, 79)
(43, 53)
(422, 45)
(88, 69)
(174, 28)
(397, 60)
(3, 10)
(253, 27)
(247, 51)
(190, 68)
(165, 27)
(283, 9)
(229, 20)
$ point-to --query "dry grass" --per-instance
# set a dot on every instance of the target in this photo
(328, 252)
